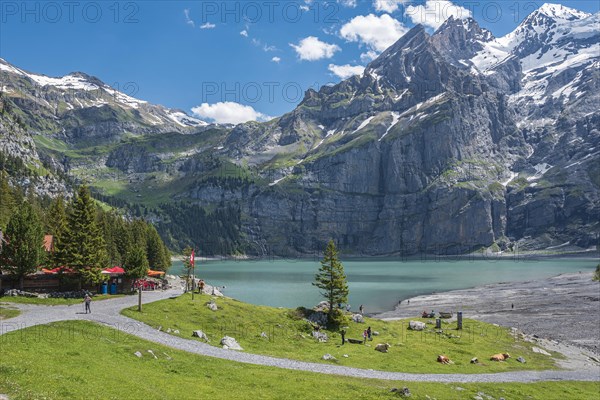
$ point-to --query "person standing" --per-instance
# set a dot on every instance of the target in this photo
(361, 309)
(348, 308)
(365, 336)
(369, 333)
(343, 333)
(87, 301)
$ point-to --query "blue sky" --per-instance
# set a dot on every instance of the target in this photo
(207, 55)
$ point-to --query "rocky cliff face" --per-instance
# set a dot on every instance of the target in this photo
(447, 143)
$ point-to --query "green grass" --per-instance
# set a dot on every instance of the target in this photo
(82, 360)
(290, 337)
(7, 312)
(54, 301)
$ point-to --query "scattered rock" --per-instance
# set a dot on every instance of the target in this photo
(460, 389)
(153, 355)
(405, 392)
(264, 335)
(317, 317)
(168, 330)
(167, 356)
(159, 328)
(322, 306)
(375, 333)
(320, 336)
(474, 360)
(521, 360)
(358, 318)
(328, 357)
(230, 343)
(176, 331)
(346, 355)
(138, 354)
(212, 306)
(201, 335)
(416, 325)
(541, 351)
(382, 347)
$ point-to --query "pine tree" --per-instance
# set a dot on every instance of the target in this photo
(85, 248)
(23, 251)
(136, 264)
(56, 225)
(158, 255)
(7, 202)
(331, 279)
(187, 264)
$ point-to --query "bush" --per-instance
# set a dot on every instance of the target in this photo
(597, 274)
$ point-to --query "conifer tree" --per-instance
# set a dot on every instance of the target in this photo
(136, 264)
(23, 251)
(158, 255)
(7, 202)
(331, 279)
(85, 247)
(56, 225)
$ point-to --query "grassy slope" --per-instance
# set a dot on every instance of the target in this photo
(81, 360)
(7, 312)
(290, 337)
(53, 301)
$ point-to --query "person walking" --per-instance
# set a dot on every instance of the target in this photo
(87, 301)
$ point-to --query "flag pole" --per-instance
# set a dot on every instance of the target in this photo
(193, 260)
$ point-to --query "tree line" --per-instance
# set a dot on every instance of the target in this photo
(86, 239)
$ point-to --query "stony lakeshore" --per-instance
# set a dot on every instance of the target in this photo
(564, 309)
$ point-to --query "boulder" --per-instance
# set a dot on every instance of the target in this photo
(328, 357)
(358, 318)
(201, 335)
(212, 306)
(138, 354)
(474, 360)
(382, 347)
(320, 336)
(318, 318)
(404, 392)
(416, 325)
(322, 306)
(375, 333)
(230, 343)
(521, 360)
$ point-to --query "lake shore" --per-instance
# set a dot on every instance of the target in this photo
(564, 308)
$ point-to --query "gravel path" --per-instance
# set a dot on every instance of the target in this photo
(107, 312)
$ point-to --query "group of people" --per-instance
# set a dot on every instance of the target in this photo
(361, 309)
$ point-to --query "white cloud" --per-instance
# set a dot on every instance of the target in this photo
(312, 49)
(229, 112)
(377, 32)
(388, 6)
(434, 12)
(244, 33)
(276, 59)
(188, 20)
(207, 25)
(347, 3)
(368, 56)
(346, 71)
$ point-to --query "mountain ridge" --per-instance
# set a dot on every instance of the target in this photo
(447, 143)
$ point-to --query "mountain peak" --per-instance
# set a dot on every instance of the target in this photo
(558, 11)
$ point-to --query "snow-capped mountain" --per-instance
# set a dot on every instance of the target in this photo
(77, 91)
(448, 142)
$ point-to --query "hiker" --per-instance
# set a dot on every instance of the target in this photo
(365, 336)
(369, 333)
(348, 308)
(343, 333)
(512, 306)
(361, 309)
(201, 286)
(409, 302)
(87, 300)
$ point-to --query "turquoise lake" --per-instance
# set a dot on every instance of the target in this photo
(378, 284)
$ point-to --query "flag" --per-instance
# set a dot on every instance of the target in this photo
(192, 261)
